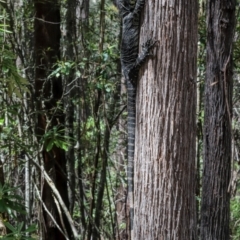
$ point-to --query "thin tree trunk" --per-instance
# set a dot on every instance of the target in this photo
(70, 89)
(164, 169)
(121, 153)
(82, 108)
(102, 173)
(199, 143)
(215, 209)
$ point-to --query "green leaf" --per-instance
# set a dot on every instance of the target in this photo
(65, 147)
(50, 145)
(10, 227)
(31, 228)
(78, 74)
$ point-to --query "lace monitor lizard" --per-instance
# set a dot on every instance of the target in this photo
(131, 61)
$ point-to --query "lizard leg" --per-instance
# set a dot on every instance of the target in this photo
(146, 51)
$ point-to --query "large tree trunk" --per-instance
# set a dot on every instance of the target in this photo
(164, 170)
(217, 132)
(48, 94)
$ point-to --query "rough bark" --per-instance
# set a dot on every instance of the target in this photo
(164, 169)
(217, 132)
(48, 94)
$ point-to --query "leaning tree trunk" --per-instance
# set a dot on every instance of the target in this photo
(48, 94)
(217, 132)
(164, 169)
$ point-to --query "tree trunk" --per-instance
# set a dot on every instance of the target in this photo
(215, 209)
(82, 110)
(69, 106)
(164, 169)
(48, 93)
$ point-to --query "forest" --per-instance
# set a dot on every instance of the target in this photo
(119, 119)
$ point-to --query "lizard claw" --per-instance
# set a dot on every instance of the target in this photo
(149, 44)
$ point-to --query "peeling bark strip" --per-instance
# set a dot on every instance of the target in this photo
(164, 162)
(215, 209)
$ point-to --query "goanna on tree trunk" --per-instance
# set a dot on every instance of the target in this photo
(215, 209)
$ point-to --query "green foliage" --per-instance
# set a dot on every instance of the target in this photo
(10, 201)
(13, 82)
(62, 69)
(10, 78)
(56, 137)
(18, 232)
(235, 218)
